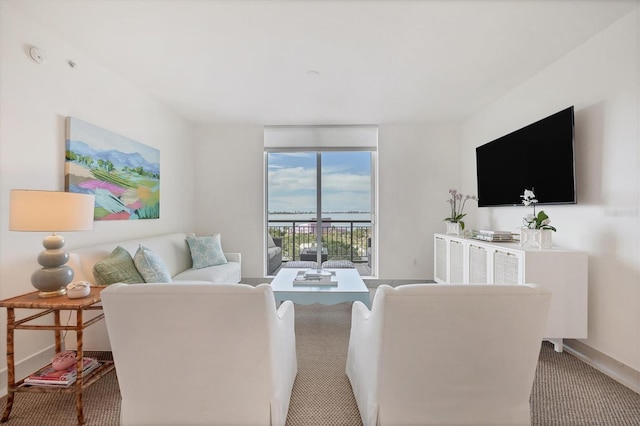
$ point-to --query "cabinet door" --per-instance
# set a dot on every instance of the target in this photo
(456, 262)
(477, 265)
(441, 260)
(506, 268)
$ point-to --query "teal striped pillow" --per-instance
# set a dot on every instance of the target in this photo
(151, 266)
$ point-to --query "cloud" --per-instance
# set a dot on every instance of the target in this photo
(291, 179)
(292, 187)
(347, 182)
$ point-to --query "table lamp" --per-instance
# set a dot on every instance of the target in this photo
(51, 211)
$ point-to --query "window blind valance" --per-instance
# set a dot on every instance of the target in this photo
(321, 138)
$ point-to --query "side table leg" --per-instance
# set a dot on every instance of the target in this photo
(11, 372)
(79, 367)
(57, 334)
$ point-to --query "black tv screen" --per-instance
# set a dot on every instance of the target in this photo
(539, 156)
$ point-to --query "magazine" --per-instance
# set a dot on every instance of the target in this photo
(48, 376)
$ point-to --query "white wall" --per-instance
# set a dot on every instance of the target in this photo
(417, 165)
(229, 188)
(34, 101)
(600, 78)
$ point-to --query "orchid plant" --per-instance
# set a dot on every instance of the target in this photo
(457, 202)
(533, 221)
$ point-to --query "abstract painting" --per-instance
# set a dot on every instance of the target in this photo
(124, 175)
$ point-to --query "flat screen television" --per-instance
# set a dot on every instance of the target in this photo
(539, 156)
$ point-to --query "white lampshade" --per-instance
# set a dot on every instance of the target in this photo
(50, 211)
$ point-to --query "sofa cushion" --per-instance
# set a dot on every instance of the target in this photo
(206, 251)
(227, 273)
(151, 266)
(118, 267)
(270, 242)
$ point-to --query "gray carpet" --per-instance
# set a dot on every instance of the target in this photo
(566, 391)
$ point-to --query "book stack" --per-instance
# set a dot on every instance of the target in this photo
(493, 236)
(316, 277)
(48, 376)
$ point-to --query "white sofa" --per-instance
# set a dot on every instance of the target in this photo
(201, 354)
(449, 354)
(172, 248)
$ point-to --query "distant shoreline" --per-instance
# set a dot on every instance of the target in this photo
(323, 213)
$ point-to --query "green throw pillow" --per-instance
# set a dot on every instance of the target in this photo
(118, 267)
(151, 266)
(206, 251)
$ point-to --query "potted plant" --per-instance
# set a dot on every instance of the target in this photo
(457, 201)
(537, 230)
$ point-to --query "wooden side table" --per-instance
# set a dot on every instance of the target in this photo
(52, 305)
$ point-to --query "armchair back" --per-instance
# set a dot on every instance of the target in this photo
(201, 354)
(433, 354)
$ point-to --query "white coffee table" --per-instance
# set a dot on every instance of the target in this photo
(349, 289)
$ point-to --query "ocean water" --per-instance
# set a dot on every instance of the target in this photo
(301, 218)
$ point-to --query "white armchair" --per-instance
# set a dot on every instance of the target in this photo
(214, 354)
(433, 354)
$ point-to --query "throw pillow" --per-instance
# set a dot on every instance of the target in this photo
(118, 267)
(151, 266)
(206, 251)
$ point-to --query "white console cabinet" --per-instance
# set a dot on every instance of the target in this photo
(563, 272)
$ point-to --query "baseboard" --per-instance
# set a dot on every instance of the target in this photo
(618, 371)
(27, 366)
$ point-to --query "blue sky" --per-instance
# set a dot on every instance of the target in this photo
(346, 181)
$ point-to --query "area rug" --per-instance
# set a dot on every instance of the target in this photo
(566, 391)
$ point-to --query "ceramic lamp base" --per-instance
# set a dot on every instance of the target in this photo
(54, 275)
(55, 293)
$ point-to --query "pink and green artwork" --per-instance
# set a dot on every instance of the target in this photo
(124, 175)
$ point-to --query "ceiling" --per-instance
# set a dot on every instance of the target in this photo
(325, 62)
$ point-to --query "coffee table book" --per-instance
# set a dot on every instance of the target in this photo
(48, 376)
(315, 277)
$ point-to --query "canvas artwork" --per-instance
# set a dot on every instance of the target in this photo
(124, 175)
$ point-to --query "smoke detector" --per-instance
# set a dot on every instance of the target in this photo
(37, 55)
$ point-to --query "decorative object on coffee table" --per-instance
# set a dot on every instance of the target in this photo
(51, 211)
(457, 201)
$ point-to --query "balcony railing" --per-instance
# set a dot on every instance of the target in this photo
(343, 239)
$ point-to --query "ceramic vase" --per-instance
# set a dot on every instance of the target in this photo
(454, 228)
(536, 238)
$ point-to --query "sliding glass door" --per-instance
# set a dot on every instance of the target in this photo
(320, 206)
